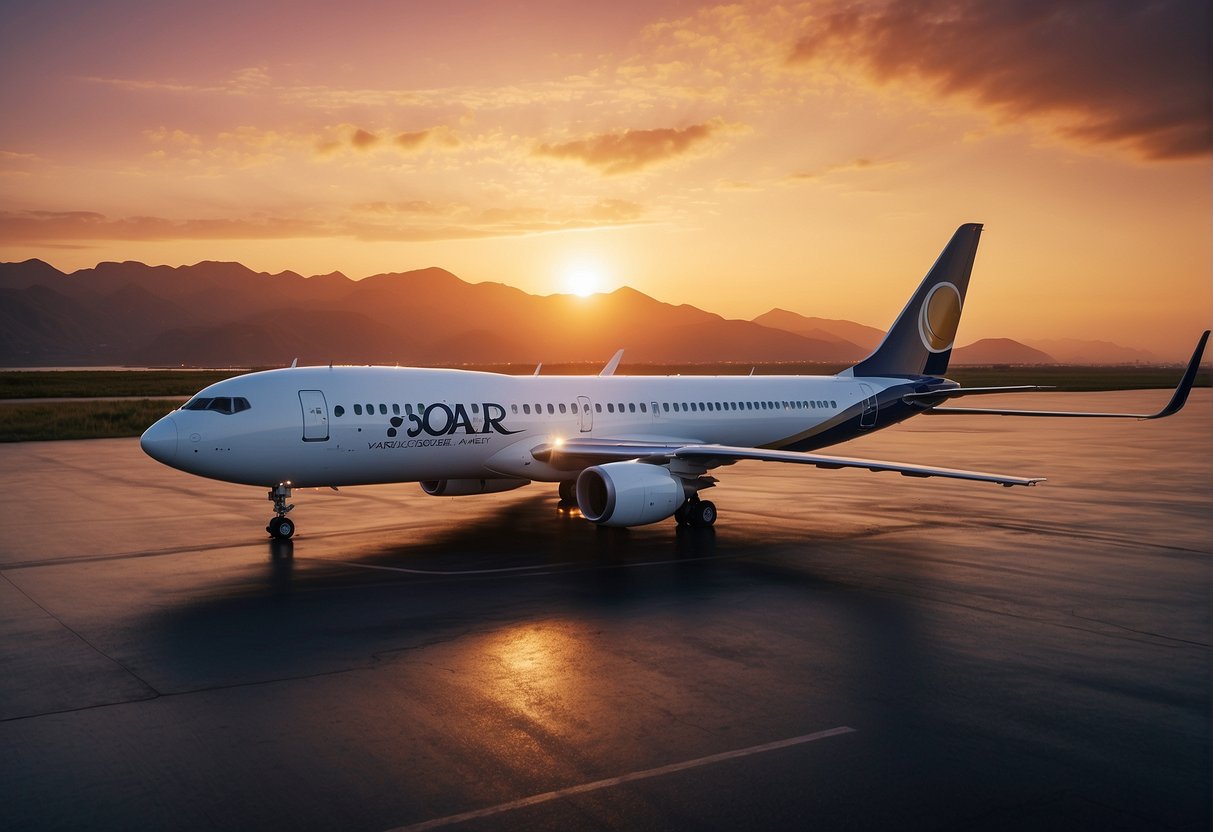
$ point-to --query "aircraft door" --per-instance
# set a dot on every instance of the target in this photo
(585, 413)
(315, 416)
(871, 407)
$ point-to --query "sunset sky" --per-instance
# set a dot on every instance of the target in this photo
(814, 157)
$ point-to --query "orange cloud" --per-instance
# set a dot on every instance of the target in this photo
(1099, 72)
(631, 150)
(408, 221)
(363, 140)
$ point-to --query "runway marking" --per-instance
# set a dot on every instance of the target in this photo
(661, 771)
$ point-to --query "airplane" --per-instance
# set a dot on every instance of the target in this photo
(628, 450)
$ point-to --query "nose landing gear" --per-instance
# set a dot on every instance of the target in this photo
(280, 526)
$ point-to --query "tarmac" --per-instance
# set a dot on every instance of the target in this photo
(844, 650)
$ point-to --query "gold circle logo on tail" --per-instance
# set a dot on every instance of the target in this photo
(939, 317)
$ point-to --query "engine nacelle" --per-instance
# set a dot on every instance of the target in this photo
(465, 488)
(628, 493)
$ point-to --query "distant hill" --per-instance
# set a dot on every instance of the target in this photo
(1074, 351)
(999, 351)
(863, 338)
(224, 314)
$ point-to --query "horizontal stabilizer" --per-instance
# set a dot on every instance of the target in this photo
(954, 392)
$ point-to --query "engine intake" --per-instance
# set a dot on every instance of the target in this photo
(628, 494)
(466, 488)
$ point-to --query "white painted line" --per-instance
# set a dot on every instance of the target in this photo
(451, 820)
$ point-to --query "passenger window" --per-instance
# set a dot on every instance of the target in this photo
(357, 410)
(408, 408)
(832, 403)
(395, 410)
(552, 410)
(610, 407)
(665, 406)
(338, 411)
(526, 408)
(370, 410)
(383, 410)
(513, 408)
(631, 407)
(597, 407)
(643, 408)
(562, 410)
(476, 408)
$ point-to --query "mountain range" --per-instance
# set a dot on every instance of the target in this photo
(224, 314)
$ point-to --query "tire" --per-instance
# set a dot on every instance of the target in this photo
(281, 528)
(703, 513)
(568, 491)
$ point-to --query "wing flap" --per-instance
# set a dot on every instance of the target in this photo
(722, 454)
(596, 451)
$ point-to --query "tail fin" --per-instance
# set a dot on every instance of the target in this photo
(920, 340)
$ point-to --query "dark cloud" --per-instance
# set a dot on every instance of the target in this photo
(1131, 72)
(630, 150)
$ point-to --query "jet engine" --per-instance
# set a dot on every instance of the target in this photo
(628, 493)
(464, 488)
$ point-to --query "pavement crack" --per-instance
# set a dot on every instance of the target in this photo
(84, 640)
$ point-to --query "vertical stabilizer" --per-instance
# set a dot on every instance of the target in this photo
(920, 340)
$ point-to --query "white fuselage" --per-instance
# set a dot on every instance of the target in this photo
(333, 426)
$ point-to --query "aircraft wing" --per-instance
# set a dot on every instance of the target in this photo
(584, 452)
(1178, 398)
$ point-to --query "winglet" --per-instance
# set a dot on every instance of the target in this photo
(609, 369)
(1180, 397)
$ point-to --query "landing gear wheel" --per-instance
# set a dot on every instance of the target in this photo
(701, 513)
(281, 528)
(568, 491)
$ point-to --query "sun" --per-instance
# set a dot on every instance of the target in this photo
(582, 278)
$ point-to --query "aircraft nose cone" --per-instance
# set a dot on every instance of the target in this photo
(160, 440)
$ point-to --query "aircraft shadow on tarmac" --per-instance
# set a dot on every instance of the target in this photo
(517, 565)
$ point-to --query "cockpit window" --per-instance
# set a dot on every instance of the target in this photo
(219, 404)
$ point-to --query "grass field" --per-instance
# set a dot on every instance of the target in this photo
(78, 420)
(85, 384)
(46, 420)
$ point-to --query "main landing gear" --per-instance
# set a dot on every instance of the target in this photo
(696, 512)
(280, 526)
